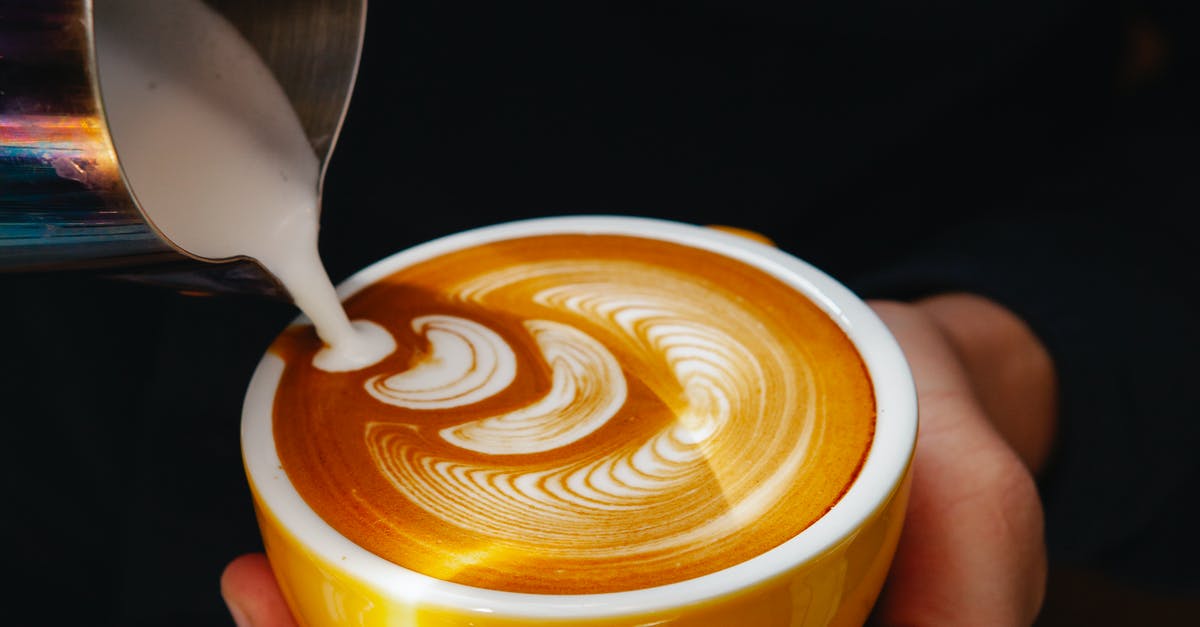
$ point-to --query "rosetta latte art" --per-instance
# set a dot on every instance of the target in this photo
(562, 508)
(580, 424)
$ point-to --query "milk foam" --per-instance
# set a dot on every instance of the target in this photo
(215, 153)
(467, 362)
(578, 413)
(587, 389)
(704, 368)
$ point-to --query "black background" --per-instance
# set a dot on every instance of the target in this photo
(1043, 152)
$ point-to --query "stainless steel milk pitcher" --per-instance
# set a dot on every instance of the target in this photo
(64, 203)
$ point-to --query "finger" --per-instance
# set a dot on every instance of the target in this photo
(972, 551)
(1011, 371)
(252, 594)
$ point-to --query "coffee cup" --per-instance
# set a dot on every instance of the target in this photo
(589, 420)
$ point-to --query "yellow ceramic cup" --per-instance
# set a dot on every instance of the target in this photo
(829, 574)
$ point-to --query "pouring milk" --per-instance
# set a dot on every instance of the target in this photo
(217, 158)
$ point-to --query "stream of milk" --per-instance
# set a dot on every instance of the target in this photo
(217, 158)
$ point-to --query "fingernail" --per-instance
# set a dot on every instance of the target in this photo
(239, 617)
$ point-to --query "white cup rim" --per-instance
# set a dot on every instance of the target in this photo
(882, 471)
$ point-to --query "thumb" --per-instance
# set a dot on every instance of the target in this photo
(250, 591)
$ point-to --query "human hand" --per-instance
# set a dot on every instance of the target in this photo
(972, 551)
(252, 594)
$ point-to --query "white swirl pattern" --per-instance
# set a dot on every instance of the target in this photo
(468, 362)
(587, 390)
(702, 354)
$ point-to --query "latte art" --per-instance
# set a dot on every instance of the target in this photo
(588, 389)
(468, 363)
(594, 415)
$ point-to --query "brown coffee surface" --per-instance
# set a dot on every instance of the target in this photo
(577, 414)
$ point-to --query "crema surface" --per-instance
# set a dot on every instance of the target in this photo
(577, 414)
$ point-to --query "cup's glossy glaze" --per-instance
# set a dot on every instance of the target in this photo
(829, 574)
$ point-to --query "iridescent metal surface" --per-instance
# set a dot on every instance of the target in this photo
(63, 201)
